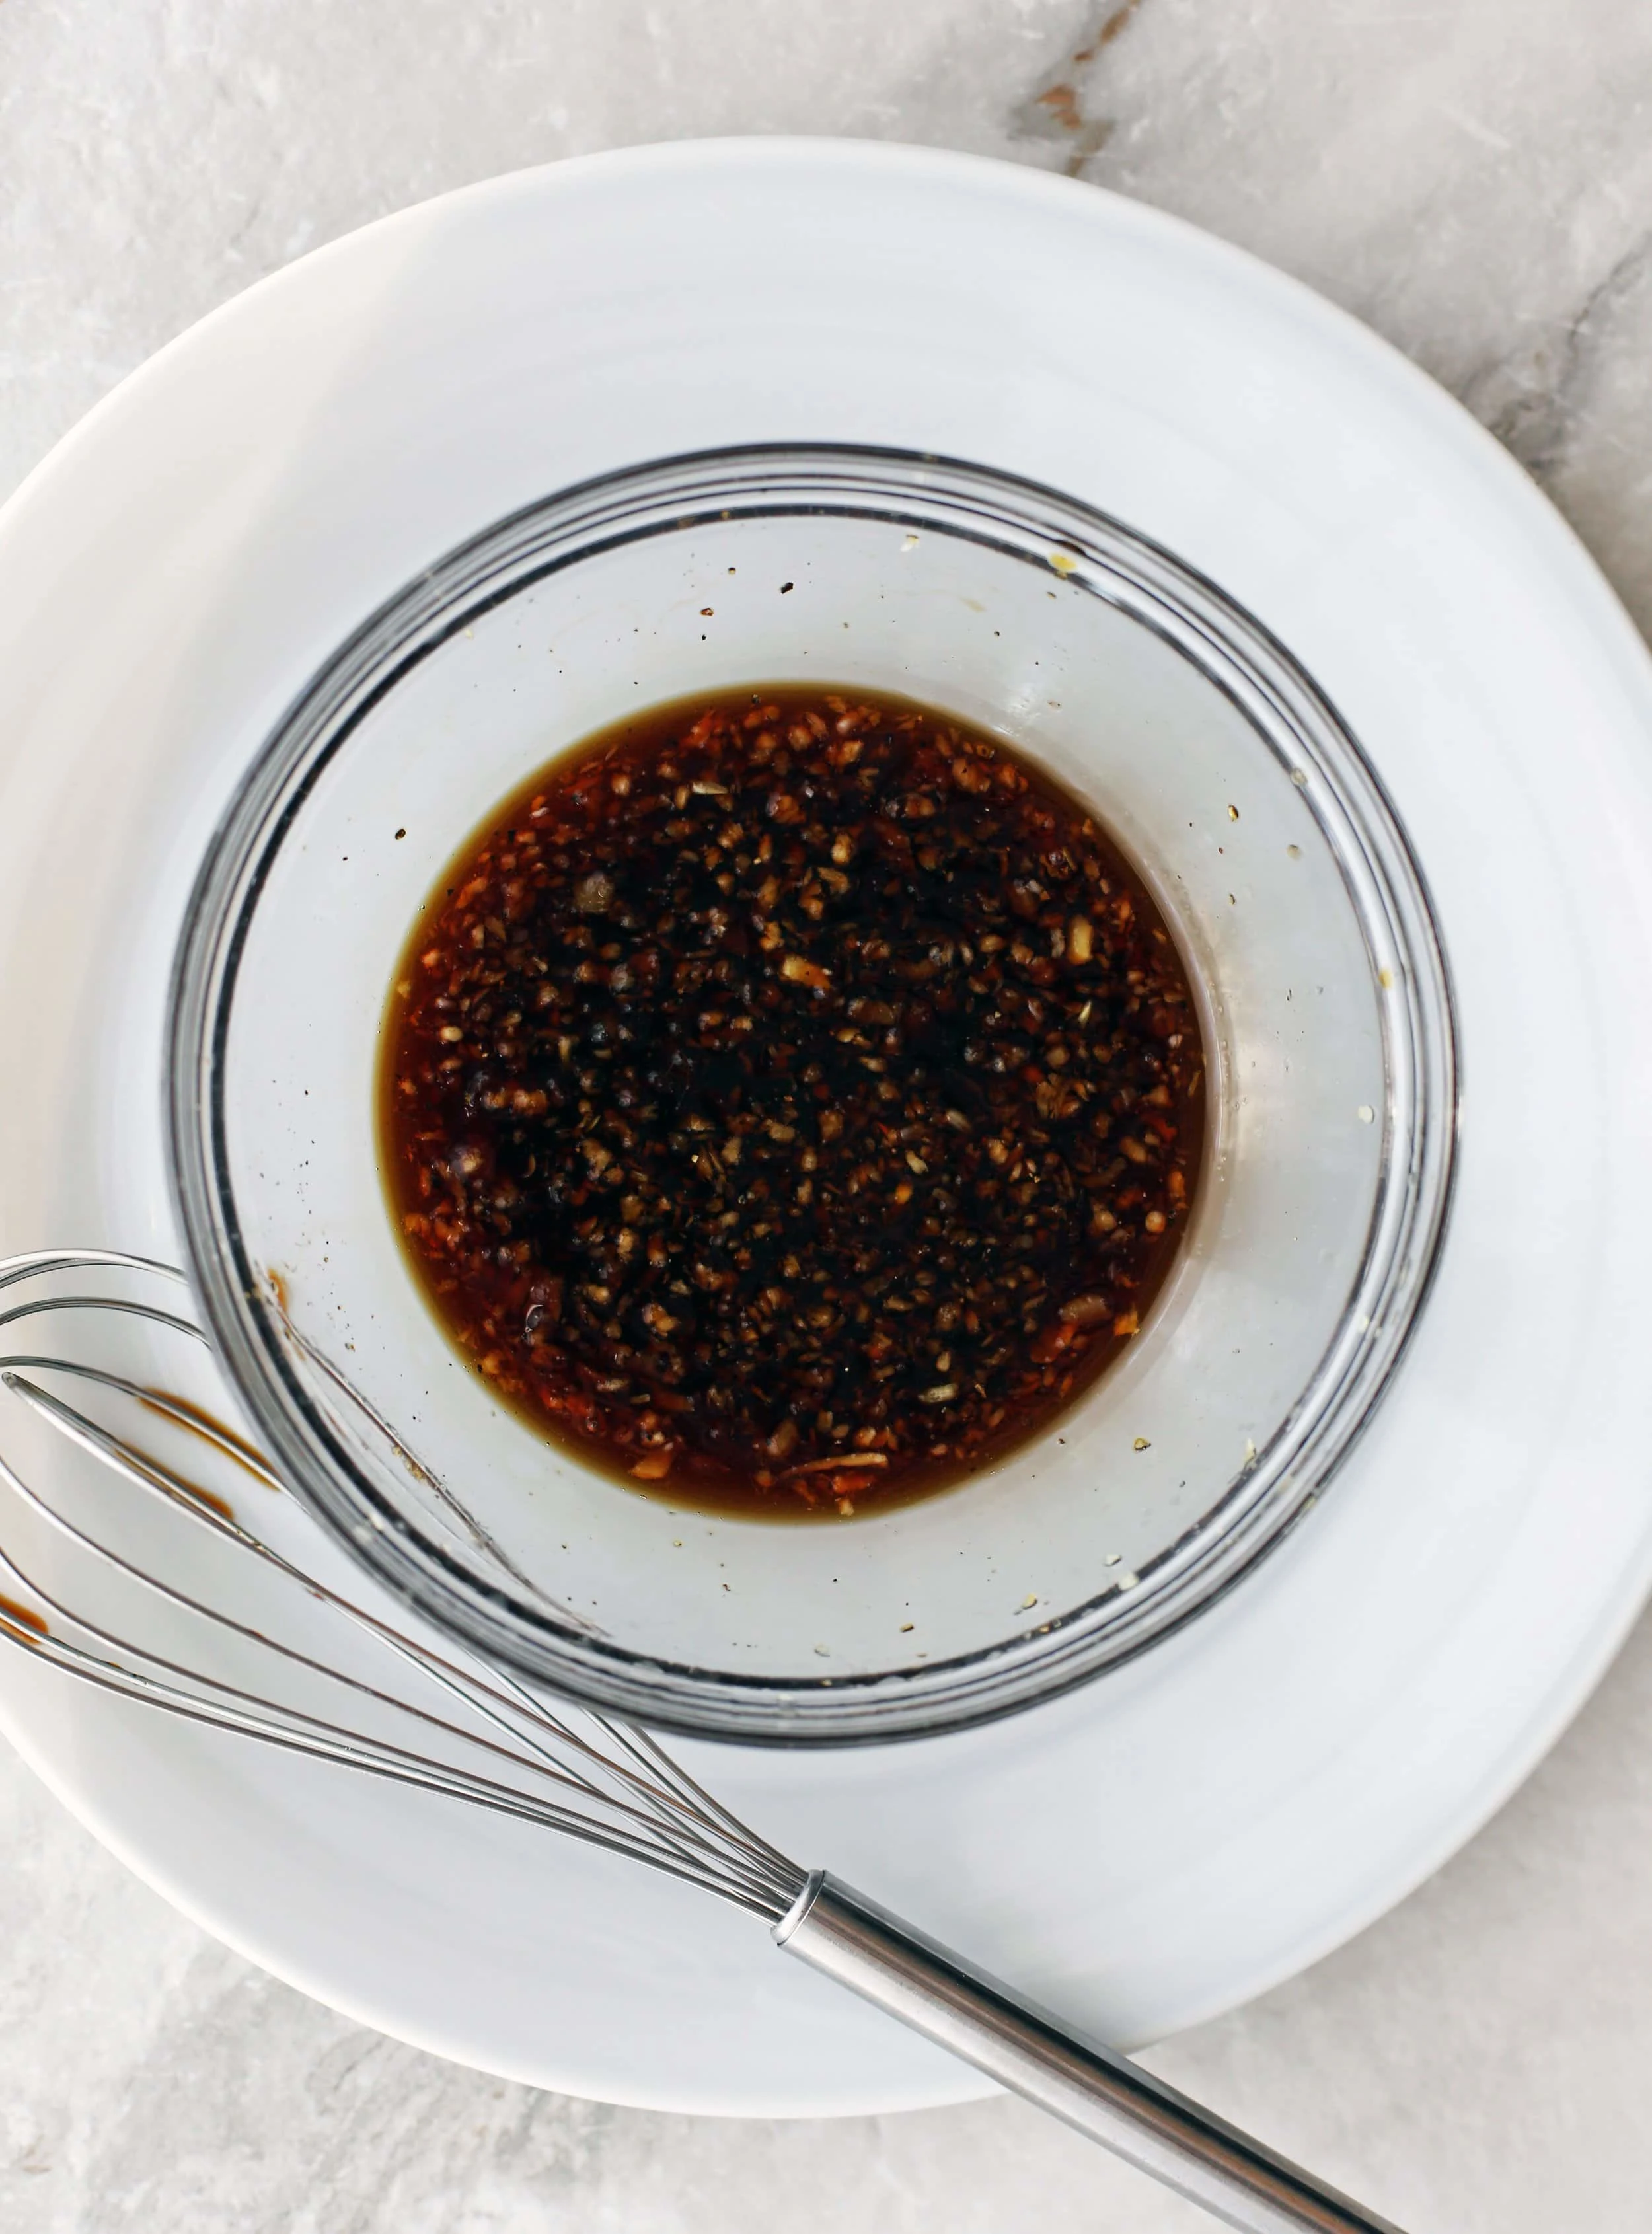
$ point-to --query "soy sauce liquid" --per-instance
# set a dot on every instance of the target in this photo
(791, 1102)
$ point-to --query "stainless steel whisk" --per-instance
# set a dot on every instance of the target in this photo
(580, 1773)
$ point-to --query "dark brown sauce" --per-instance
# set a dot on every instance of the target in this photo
(13, 1616)
(791, 1103)
(209, 1497)
(195, 1420)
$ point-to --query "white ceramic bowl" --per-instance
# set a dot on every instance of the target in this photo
(1149, 1849)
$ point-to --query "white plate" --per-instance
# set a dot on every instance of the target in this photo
(1192, 1828)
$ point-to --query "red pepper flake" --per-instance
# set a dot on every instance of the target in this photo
(812, 1074)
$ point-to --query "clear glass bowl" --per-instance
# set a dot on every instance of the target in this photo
(1275, 858)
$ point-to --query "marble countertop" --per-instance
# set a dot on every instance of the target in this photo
(1472, 177)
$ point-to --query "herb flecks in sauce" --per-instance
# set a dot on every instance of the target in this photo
(792, 1102)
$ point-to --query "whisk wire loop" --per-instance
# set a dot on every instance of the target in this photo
(614, 1788)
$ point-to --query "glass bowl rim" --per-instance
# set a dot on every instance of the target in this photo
(1235, 652)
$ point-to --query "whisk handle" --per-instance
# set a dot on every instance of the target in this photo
(836, 1929)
